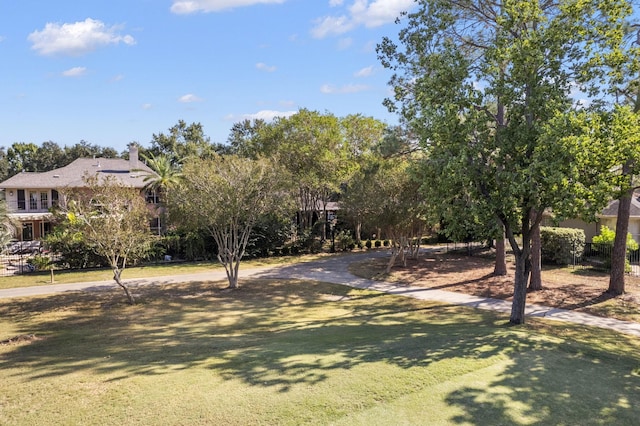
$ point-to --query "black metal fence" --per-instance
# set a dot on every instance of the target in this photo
(592, 255)
(599, 256)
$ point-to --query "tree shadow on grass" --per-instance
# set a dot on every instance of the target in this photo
(559, 385)
(280, 334)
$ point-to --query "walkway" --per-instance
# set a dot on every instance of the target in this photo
(335, 270)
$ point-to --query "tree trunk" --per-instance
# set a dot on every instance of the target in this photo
(523, 268)
(394, 254)
(500, 267)
(536, 260)
(233, 274)
(520, 288)
(117, 277)
(619, 253)
(358, 231)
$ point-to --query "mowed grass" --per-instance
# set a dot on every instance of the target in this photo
(299, 352)
(145, 271)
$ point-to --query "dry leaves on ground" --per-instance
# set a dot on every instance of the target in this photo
(564, 287)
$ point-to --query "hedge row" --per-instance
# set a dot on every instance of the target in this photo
(561, 245)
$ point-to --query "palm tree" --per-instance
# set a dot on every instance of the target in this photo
(167, 175)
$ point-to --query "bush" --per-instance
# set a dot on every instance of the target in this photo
(72, 251)
(378, 243)
(606, 239)
(40, 262)
(269, 232)
(368, 244)
(607, 236)
(561, 245)
(308, 243)
(386, 243)
(344, 240)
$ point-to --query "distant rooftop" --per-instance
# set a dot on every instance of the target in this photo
(128, 172)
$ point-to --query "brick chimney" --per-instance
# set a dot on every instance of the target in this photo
(133, 157)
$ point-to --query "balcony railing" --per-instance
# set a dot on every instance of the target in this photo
(24, 207)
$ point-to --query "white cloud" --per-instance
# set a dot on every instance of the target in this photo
(361, 13)
(345, 43)
(330, 89)
(266, 115)
(334, 3)
(580, 98)
(332, 25)
(264, 67)
(147, 106)
(116, 78)
(2, 38)
(189, 98)
(364, 72)
(75, 72)
(77, 38)
(184, 7)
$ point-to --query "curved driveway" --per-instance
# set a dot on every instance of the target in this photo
(335, 270)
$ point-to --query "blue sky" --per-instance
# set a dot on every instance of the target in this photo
(116, 71)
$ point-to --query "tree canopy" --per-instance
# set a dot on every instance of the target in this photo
(226, 195)
(112, 219)
(479, 81)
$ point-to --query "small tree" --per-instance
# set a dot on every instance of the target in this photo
(226, 196)
(113, 219)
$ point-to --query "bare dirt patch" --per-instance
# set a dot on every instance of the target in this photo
(23, 338)
(581, 289)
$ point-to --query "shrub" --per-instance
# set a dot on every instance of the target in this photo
(40, 262)
(561, 245)
(269, 232)
(308, 243)
(344, 240)
(606, 238)
(378, 243)
(386, 243)
(368, 244)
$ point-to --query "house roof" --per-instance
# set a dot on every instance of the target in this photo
(71, 176)
(612, 209)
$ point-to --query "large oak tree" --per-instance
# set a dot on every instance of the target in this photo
(480, 81)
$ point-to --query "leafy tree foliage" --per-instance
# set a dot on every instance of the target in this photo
(22, 156)
(226, 195)
(479, 81)
(113, 220)
(400, 210)
(244, 138)
(181, 142)
(320, 152)
(50, 156)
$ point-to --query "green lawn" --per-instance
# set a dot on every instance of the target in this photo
(296, 352)
(146, 271)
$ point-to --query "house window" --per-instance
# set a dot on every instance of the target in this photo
(22, 205)
(33, 201)
(44, 200)
(27, 231)
(45, 229)
(153, 197)
(54, 198)
(154, 225)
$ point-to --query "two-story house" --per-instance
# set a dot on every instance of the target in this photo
(30, 195)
